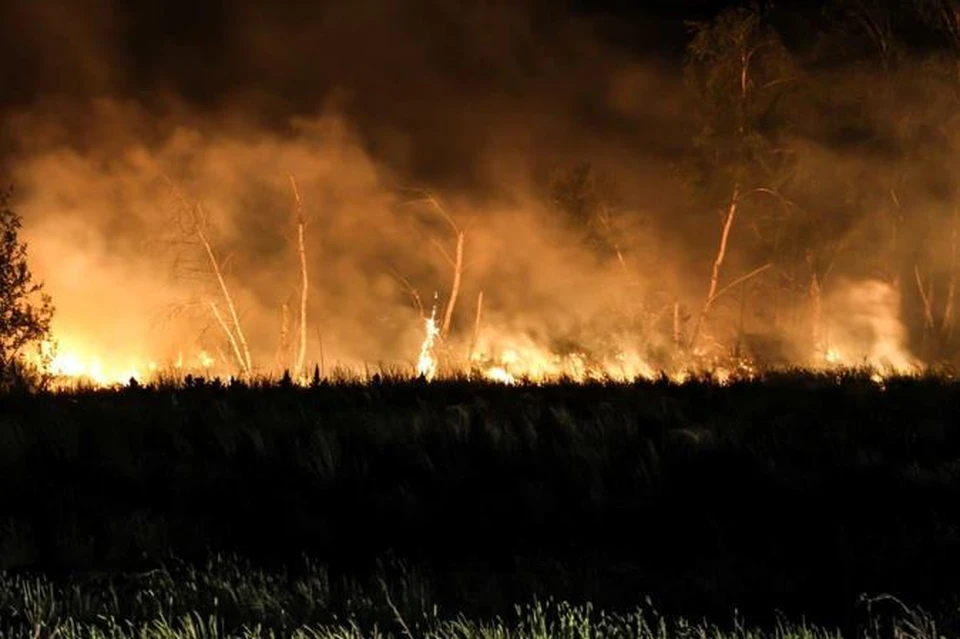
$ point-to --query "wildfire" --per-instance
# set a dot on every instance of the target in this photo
(500, 374)
(497, 353)
(66, 361)
(426, 363)
(521, 358)
(70, 363)
(883, 363)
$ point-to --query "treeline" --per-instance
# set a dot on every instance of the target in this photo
(824, 149)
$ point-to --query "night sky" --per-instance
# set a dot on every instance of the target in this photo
(199, 50)
(389, 66)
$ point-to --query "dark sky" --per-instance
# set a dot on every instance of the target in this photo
(200, 48)
(435, 71)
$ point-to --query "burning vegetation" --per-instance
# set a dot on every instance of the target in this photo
(784, 198)
(424, 203)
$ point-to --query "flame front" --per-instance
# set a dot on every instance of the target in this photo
(780, 243)
(66, 361)
(499, 356)
(69, 363)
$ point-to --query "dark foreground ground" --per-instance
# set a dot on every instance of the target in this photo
(792, 495)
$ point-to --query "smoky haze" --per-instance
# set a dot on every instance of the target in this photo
(123, 121)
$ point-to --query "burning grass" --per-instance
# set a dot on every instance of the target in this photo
(502, 358)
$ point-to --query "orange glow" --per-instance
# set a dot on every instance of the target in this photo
(70, 363)
(426, 362)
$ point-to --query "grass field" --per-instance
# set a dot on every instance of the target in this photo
(228, 598)
(785, 497)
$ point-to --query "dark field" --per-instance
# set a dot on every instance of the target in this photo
(787, 497)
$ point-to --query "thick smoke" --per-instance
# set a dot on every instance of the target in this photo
(128, 120)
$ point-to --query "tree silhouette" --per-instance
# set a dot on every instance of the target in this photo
(25, 310)
(736, 70)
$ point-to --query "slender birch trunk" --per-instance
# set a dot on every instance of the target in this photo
(235, 335)
(926, 298)
(284, 347)
(455, 288)
(476, 328)
(815, 293)
(304, 282)
(226, 329)
(231, 307)
(717, 263)
(946, 326)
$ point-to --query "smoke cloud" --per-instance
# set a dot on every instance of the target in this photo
(128, 120)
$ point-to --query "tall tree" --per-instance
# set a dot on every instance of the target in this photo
(939, 339)
(304, 280)
(736, 68)
(25, 310)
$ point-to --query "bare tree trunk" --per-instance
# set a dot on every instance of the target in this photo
(238, 341)
(946, 326)
(476, 328)
(455, 289)
(717, 263)
(744, 84)
(284, 347)
(230, 336)
(816, 317)
(302, 250)
(676, 325)
(245, 360)
(925, 298)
